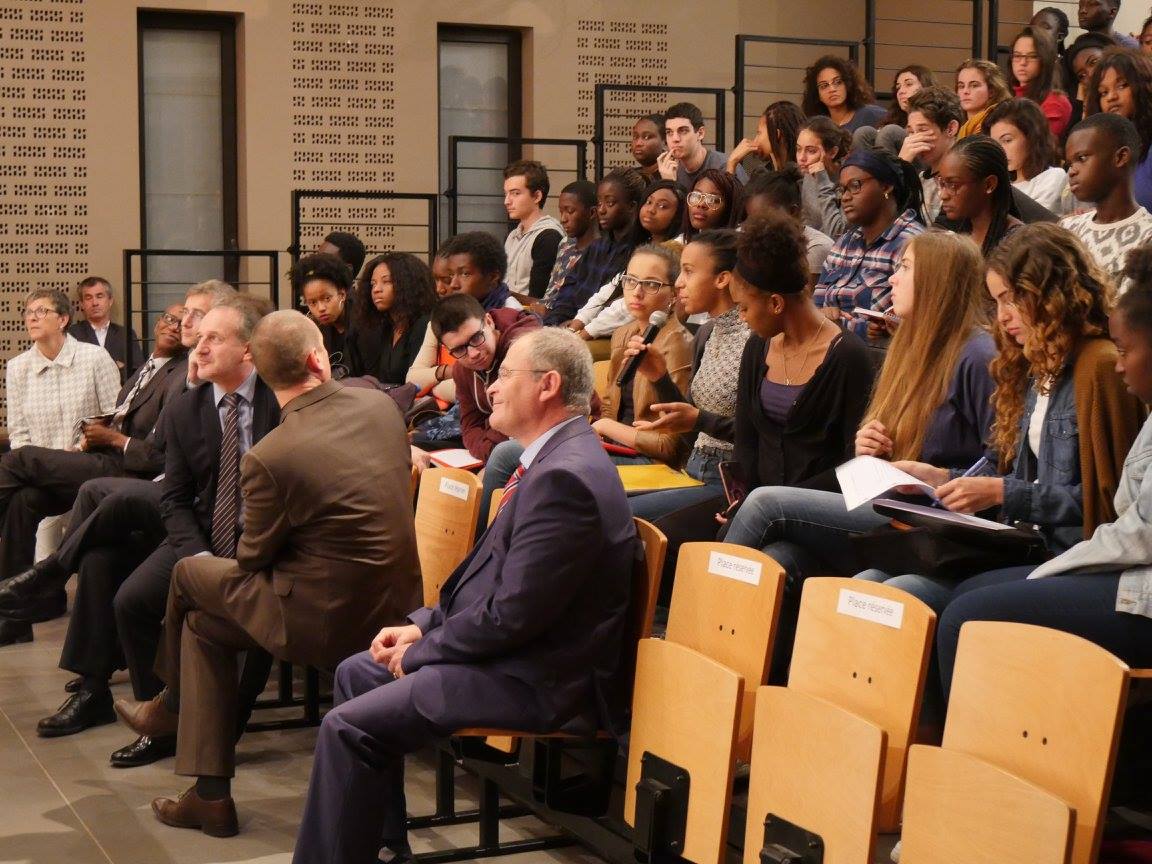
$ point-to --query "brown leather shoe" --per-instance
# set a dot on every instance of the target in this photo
(214, 818)
(147, 718)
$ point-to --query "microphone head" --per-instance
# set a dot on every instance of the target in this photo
(658, 318)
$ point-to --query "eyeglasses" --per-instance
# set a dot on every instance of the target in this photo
(645, 286)
(852, 187)
(835, 82)
(504, 373)
(1031, 57)
(952, 186)
(474, 341)
(39, 313)
(705, 199)
(169, 319)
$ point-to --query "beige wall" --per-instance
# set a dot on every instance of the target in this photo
(336, 94)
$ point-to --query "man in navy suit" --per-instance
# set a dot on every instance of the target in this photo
(528, 629)
(97, 328)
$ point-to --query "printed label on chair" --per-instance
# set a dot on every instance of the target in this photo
(890, 613)
(732, 567)
(454, 488)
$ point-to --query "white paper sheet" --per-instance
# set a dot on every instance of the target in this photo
(866, 477)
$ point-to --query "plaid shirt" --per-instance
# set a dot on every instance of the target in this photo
(857, 274)
(600, 262)
(48, 398)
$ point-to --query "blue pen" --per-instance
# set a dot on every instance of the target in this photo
(980, 465)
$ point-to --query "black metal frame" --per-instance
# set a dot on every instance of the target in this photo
(225, 26)
(515, 146)
(718, 93)
(286, 698)
(743, 39)
(229, 255)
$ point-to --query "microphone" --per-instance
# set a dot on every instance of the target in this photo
(657, 320)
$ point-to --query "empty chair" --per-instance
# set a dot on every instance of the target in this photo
(1046, 707)
(961, 810)
(817, 766)
(446, 512)
(865, 647)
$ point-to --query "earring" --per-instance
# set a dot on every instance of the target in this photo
(886, 194)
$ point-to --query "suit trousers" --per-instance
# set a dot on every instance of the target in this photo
(138, 610)
(37, 482)
(204, 635)
(355, 797)
(106, 511)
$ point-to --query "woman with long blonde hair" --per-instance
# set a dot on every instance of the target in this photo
(931, 403)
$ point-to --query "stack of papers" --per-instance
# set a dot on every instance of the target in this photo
(867, 477)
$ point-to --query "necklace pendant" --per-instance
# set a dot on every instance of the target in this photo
(787, 381)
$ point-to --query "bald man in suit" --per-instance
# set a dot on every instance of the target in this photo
(327, 557)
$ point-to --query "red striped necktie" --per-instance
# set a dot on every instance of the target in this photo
(510, 487)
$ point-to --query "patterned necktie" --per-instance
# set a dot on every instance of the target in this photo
(227, 508)
(510, 488)
(143, 378)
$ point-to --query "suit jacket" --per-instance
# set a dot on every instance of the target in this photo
(114, 344)
(192, 438)
(542, 597)
(142, 457)
(328, 521)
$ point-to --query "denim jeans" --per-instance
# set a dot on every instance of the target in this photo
(501, 464)
(808, 533)
(704, 467)
(933, 591)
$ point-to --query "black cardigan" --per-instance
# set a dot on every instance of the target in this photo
(371, 352)
(820, 432)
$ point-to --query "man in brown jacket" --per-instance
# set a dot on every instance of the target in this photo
(326, 559)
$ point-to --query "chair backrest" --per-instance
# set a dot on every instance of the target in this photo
(725, 604)
(494, 504)
(671, 720)
(959, 808)
(817, 766)
(1045, 706)
(600, 376)
(865, 646)
(446, 512)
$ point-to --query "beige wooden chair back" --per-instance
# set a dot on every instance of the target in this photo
(725, 604)
(864, 646)
(684, 709)
(818, 766)
(600, 376)
(446, 512)
(961, 810)
(494, 504)
(1045, 706)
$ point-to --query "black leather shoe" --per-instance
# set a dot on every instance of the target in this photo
(25, 589)
(82, 710)
(74, 685)
(144, 751)
(12, 632)
(45, 608)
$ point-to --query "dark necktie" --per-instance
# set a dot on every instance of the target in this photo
(227, 508)
(510, 488)
(143, 378)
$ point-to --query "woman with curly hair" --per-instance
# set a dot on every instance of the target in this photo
(394, 297)
(1036, 76)
(716, 201)
(322, 282)
(1063, 420)
(1121, 84)
(775, 141)
(1030, 148)
(981, 86)
(834, 87)
(1100, 588)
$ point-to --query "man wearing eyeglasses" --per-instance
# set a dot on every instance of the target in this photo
(42, 478)
(686, 157)
(478, 341)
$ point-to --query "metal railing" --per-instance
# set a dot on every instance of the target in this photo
(478, 181)
(156, 278)
(605, 137)
(758, 78)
